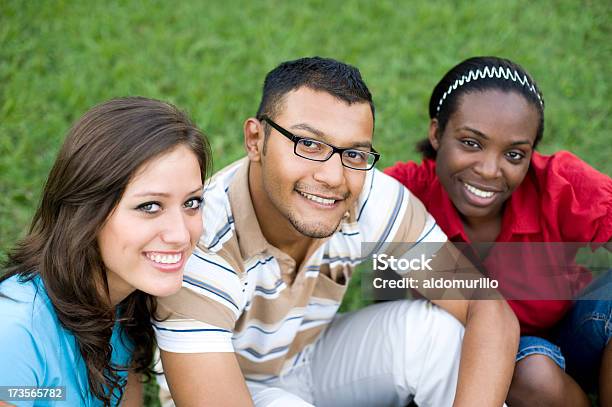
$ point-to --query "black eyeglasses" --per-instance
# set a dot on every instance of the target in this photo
(316, 150)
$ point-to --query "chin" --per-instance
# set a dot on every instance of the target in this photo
(315, 231)
(318, 234)
(165, 289)
(469, 211)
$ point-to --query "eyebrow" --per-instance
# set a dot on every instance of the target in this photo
(163, 194)
(484, 136)
(476, 132)
(323, 137)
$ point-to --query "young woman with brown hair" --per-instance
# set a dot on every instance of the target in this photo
(118, 219)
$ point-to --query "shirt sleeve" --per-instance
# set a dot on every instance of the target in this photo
(396, 222)
(419, 235)
(201, 317)
(417, 226)
(419, 240)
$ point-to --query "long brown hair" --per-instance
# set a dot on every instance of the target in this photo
(101, 153)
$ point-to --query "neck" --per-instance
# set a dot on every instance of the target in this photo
(275, 227)
(482, 229)
(118, 289)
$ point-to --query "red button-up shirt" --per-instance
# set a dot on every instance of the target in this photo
(561, 199)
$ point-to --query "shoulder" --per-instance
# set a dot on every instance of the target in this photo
(574, 196)
(566, 178)
(411, 173)
(564, 168)
(380, 195)
(388, 211)
(26, 316)
(216, 208)
(23, 300)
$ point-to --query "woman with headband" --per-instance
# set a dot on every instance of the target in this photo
(118, 219)
(483, 181)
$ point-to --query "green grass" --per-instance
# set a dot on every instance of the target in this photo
(58, 58)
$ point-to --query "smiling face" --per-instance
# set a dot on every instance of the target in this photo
(148, 237)
(484, 153)
(299, 195)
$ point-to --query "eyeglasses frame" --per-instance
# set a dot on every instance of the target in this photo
(297, 139)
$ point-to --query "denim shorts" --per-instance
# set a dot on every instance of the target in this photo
(578, 341)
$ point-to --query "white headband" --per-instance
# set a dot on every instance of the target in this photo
(489, 72)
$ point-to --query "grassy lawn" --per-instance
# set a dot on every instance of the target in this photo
(58, 58)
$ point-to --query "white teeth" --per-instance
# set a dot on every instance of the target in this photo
(165, 258)
(318, 199)
(479, 192)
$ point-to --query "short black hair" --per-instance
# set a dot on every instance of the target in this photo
(340, 80)
(501, 74)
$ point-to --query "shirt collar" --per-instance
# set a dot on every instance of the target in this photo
(521, 212)
(444, 212)
(250, 238)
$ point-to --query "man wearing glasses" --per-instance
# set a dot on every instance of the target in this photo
(255, 322)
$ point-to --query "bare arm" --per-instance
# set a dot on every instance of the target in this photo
(205, 379)
(133, 394)
(492, 331)
(489, 349)
(491, 334)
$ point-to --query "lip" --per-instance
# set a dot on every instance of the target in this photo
(485, 188)
(475, 200)
(320, 205)
(167, 268)
(334, 197)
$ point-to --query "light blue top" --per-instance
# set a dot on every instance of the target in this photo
(35, 350)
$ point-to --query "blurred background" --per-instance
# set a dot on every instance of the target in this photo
(59, 58)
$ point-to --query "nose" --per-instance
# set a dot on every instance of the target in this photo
(488, 166)
(176, 228)
(330, 172)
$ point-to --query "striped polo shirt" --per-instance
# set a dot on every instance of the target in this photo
(241, 294)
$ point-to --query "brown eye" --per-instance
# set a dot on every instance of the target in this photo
(470, 143)
(356, 156)
(515, 156)
(310, 145)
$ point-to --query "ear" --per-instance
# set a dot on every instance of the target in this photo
(434, 136)
(253, 138)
